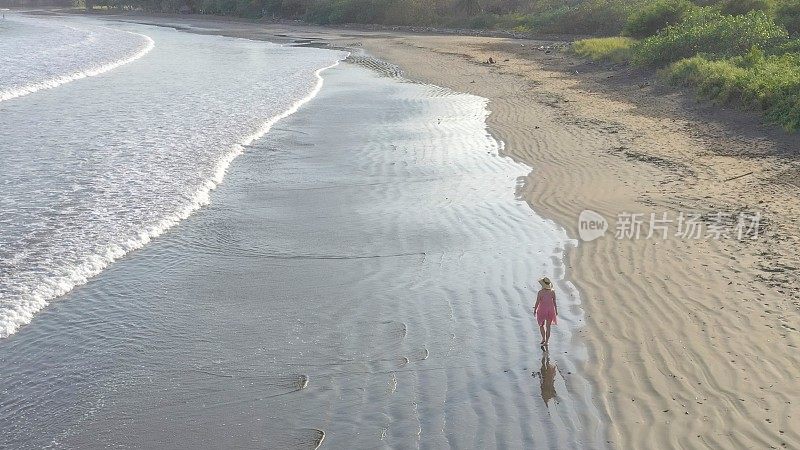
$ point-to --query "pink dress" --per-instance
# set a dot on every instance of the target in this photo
(547, 306)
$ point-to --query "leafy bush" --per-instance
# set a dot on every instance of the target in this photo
(712, 34)
(395, 12)
(604, 17)
(483, 21)
(546, 20)
(791, 46)
(497, 21)
(323, 13)
(340, 11)
(738, 7)
(655, 16)
(787, 14)
(616, 49)
(771, 83)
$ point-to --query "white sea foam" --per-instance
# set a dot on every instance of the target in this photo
(60, 237)
(58, 81)
(87, 60)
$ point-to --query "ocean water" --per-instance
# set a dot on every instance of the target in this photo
(91, 171)
(223, 244)
(37, 53)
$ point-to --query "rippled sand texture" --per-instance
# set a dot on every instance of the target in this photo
(690, 348)
(364, 275)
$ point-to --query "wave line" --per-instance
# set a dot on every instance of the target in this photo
(12, 318)
(58, 81)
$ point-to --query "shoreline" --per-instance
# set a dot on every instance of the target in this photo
(571, 153)
(662, 357)
(283, 307)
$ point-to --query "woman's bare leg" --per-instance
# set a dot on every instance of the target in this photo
(547, 333)
(544, 337)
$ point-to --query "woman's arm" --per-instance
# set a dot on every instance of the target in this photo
(555, 303)
(538, 298)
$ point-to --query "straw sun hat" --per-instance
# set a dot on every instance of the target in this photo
(545, 282)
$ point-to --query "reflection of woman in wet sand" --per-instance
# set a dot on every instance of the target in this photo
(547, 379)
(545, 310)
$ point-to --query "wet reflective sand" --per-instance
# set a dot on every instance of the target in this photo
(364, 277)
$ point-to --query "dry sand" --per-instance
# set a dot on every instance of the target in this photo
(693, 343)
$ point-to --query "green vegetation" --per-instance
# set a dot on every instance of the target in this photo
(603, 17)
(615, 49)
(771, 83)
(738, 7)
(740, 52)
(399, 12)
(657, 15)
(713, 34)
(541, 16)
(787, 14)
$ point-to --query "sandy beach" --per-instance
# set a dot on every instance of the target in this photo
(692, 343)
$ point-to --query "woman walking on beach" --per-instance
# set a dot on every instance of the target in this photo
(545, 310)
